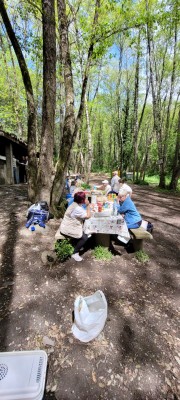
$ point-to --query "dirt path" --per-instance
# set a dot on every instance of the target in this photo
(136, 357)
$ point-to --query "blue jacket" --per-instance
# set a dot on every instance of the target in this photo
(128, 208)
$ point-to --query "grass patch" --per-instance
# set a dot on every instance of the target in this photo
(85, 186)
(141, 182)
(102, 253)
(63, 249)
(142, 256)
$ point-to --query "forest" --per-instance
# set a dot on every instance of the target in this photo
(91, 86)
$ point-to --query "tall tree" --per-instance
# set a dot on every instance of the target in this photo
(176, 163)
(135, 108)
(44, 182)
(71, 124)
(162, 105)
(32, 165)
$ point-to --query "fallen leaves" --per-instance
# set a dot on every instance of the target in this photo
(94, 376)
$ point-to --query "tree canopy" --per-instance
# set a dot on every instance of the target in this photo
(91, 85)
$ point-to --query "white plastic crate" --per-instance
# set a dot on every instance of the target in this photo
(22, 375)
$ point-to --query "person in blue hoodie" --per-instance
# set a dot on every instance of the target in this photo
(128, 209)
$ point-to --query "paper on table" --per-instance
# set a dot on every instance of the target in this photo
(108, 225)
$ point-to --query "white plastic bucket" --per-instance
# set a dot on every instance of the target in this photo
(22, 375)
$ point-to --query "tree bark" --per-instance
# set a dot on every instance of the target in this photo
(156, 103)
(45, 167)
(89, 143)
(71, 125)
(69, 120)
(176, 164)
(125, 128)
(135, 114)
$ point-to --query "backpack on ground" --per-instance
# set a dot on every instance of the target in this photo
(38, 214)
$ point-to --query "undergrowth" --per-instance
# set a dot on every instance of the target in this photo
(142, 256)
(63, 249)
(102, 253)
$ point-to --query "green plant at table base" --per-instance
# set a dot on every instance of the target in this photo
(102, 253)
(63, 249)
(142, 256)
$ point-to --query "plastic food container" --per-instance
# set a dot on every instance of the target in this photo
(22, 375)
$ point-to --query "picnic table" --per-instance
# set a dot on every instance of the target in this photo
(103, 227)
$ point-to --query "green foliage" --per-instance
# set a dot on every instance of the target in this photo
(142, 256)
(102, 253)
(63, 249)
(111, 79)
(85, 186)
(140, 182)
(152, 180)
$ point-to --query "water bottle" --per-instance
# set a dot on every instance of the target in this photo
(115, 208)
(29, 222)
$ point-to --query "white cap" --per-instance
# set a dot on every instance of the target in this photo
(105, 181)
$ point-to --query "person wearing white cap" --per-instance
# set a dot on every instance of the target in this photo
(106, 187)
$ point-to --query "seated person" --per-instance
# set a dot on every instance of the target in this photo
(106, 187)
(72, 223)
(123, 185)
(128, 209)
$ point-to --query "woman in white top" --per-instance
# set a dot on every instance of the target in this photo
(124, 186)
(72, 223)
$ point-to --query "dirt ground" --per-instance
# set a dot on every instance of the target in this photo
(136, 356)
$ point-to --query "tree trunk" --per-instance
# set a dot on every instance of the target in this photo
(155, 87)
(167, 125)
(69, 120)
(125, 157)
(45, 167)
(71, 126)
(118, 95)
(135, 114)
(176, 165)
(89, 147)
(32, 162)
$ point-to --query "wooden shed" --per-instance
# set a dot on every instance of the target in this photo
(11, 146)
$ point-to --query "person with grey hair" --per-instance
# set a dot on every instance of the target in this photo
(123, 185)
(128, 209)
(115, 182)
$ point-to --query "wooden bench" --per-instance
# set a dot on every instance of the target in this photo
(100, 238)
(138, 235)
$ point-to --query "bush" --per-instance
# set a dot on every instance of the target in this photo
(102, 253)
(63, 249)
(85, 186)
(141, 182)
(142, 256)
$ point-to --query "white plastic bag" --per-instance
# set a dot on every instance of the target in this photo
(90, 315)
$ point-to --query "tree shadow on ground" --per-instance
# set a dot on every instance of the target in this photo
(49, 396)
(132, 328)
(7, 274)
